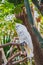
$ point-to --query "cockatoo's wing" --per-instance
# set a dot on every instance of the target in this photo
(24, 35)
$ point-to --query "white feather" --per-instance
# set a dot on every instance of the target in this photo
(24, 35)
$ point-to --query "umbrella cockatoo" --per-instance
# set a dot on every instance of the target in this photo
(24, 36)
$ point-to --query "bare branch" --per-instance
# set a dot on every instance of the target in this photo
(24, 59)
(14, 55)
(11, 43)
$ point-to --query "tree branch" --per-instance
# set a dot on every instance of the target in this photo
(24, 59)
(11, 43)
(14, 55)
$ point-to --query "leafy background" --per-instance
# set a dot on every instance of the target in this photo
(8, 9)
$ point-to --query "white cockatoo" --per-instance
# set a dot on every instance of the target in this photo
(24, 36)
(25, 40)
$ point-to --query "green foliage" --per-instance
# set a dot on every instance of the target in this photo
(0, 1)
(7, 31)
(16, 2)
(18, 20)
(18, 8)
(7, 27)
(6, 8)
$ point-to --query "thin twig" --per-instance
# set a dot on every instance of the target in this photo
(14, 55)
(20, 61)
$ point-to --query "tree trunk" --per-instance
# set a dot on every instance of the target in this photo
(38, 56)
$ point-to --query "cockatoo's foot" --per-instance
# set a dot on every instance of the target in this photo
(23, 53)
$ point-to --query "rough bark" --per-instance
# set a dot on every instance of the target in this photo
(38, 56)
